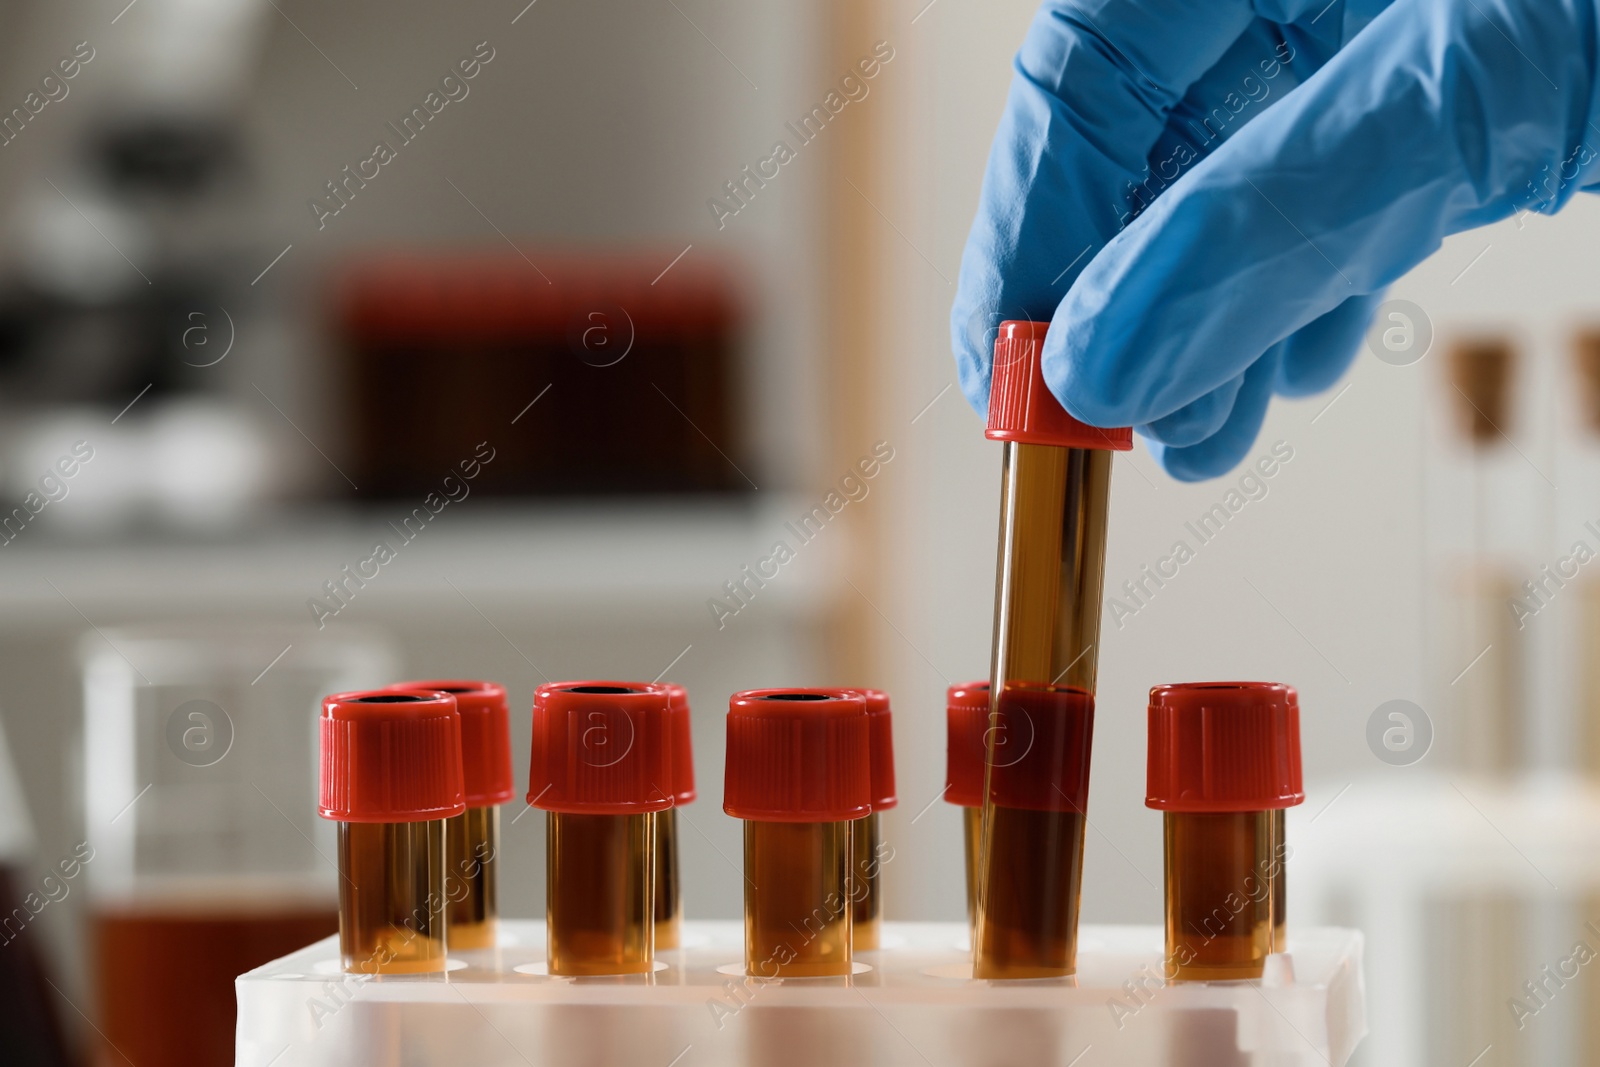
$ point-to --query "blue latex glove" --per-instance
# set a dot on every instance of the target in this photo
(1208, 197)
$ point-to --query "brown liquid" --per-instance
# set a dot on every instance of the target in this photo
(1480, 376)
(164, 974)
(599, 893)
(391, 897)
(972, 843)
(1586, 355)
(797, 913)
(865, 890)
(472, 841)
(1225, 893)
(1047, 630)
(669, 899)
(1029, 924)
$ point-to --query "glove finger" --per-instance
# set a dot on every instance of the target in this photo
(1345, 184)
(1317, 355)
(1223, 450)
(1265, 63)
(1095, 83)
(1196, 421)
(1272, 57)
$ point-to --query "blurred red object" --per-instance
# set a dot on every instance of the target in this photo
(585, 374)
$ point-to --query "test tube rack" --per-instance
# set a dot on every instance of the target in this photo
(910, 1004)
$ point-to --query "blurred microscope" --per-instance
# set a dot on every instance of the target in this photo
(120, 297)
(125, 283)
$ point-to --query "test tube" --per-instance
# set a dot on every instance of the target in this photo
(1493, 720)
(472, 839)
(966, 722)
(1224, 766)
(391, 776)
(669, 895)
(867, 834)
(798, 773)
(1055, 487)
(600, 768)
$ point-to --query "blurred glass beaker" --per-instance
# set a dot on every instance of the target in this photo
(200, 786)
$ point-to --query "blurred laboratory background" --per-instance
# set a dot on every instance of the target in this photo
(344, 343)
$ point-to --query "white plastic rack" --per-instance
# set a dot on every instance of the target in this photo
(913, 1003)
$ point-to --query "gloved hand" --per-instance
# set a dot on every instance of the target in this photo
(1248, 258)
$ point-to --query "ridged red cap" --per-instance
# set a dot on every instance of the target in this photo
(1224, 746)
(485, 736)
(880, 728)
(798, 755)
(1021, 406)
(1041, 757)
(682, 744)
(601, 748)
(966, 709)
(390, 757)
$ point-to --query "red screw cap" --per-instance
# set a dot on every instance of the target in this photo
(390, 757)
(1021, 406)
(485, 737)
(1041, 736)
(966, 723)
(798, 755)
(601, 748)
(683, 791)
(1224, 746)
(880, 728)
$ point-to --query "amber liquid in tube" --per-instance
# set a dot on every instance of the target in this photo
(1225, 893)
(599, 893)
(669, 899)
(797, 913)
(1047, 631)
(391, 897)
(972, 842)
(867, 903)
(472, 841)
